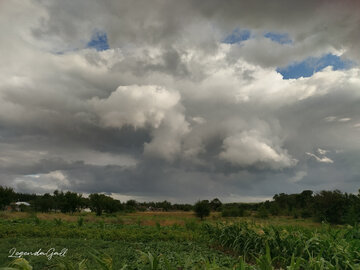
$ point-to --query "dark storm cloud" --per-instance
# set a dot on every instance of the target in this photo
(170, 111)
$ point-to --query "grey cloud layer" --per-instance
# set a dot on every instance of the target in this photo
(170, 111)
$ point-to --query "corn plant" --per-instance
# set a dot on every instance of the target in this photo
(80, 221)
(18, 264)
(58, 221)
(152, 262)
(72, 266)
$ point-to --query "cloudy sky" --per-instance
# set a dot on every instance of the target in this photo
(180, 100)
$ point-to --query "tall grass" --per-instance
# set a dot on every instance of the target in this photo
(298, 247)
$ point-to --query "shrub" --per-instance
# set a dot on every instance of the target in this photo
(232, 212)
(306, 213)
(80, 221)
(58, 221)
(262, 212)
(191, 225)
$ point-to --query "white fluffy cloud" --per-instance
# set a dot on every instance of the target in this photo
(140, 106)
(55, 180)
(136, 105)
(249, 149)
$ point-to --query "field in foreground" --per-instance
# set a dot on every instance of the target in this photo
(177, 241)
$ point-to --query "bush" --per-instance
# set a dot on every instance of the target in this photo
(306, 214)
(80, 221)
(58, 221)
(35, 218)
(232, 212)
(262, 212)
(191, 225)
(352, 216)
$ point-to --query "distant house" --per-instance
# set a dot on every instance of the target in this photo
(22, 203)
(86, 210)
(19, 206)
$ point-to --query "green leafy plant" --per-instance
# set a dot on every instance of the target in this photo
(18, 264)
(152, 262)
(80, 221)
(58, 221)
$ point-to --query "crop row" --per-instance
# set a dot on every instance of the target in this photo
(330, 248)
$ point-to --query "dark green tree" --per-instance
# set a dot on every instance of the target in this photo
(202, 209)
(215, 204)
(101, 202)
(97, 203)
(7, 195)
(44, 203)
(165, 205)
(330, 206)
(131, 205)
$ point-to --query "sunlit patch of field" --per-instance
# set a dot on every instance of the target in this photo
(160, 218)
(275, 220)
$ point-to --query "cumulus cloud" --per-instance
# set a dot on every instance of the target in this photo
(44, 183)
(248, 149)
(135, 105)
(140, 106)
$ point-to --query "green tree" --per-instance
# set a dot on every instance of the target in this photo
(7, 195)
(330, 206)
(131, 205)
(202, 209)
(44, 203)
(97, 203)
(101, 202)
(165, 205)
(215, 204)
(73, 201)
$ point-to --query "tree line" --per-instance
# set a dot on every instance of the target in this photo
(70, 202)
(331, 206)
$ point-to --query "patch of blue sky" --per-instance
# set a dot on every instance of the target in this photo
(237, 36)
(281, 38)
(312, 65)
(99, 41)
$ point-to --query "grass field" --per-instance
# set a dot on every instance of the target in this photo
(177, 240)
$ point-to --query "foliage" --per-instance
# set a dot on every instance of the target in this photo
(101, 202)
(194, 246)
(202, 209)
(262, 212)
(234, 211)
(334, 207)
(215, 204)
(18, 264)
(294, 246)
(7, 195)
(80, 221)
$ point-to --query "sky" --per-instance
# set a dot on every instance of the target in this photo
(180, 100)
